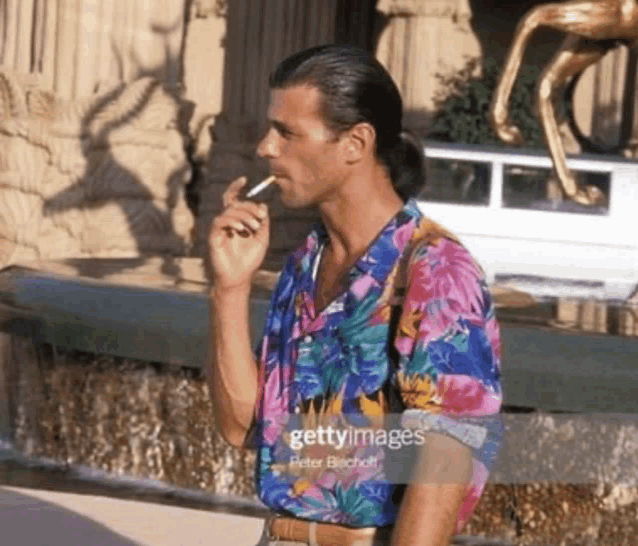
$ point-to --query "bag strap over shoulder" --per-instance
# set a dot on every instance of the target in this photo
(428, 232)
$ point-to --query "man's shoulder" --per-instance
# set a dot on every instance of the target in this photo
(429, 234)
(433, 243)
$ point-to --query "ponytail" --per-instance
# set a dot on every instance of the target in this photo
(406, 163)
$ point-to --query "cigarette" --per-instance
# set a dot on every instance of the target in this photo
(261, 186)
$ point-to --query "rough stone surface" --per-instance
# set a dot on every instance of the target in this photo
(123, 417)
(102, 176)
(569, 448)
(146, 420)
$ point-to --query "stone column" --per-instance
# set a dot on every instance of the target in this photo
(23, 29)
(629, 319)
(259, 34)
(76, 45)
(424, 38)
(629, 129)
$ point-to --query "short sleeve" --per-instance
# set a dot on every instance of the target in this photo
(448, 342)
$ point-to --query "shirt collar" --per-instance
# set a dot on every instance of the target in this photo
(376, 263)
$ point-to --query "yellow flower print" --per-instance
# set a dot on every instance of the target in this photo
(389, 287)
(375, 410)
(382, 314)
(419, 392)
(333, 407)
(428, 229)
(409, 325)
(300, 487)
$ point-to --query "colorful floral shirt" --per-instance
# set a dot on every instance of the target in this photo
(434, 359)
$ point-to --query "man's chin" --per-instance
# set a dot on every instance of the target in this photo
(292, 202)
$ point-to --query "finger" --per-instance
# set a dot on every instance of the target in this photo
(264, 233)
(226, 223)
(232, 192)
(255, 209)
(245, 216)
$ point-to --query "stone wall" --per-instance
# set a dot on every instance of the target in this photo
(93, 129)
(124, 417)
(100, 176)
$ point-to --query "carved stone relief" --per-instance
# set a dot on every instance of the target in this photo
(101, 176)
(78, 46)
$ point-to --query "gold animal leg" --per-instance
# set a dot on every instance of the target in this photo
(593, 19)
(499, 109)
(572, 58)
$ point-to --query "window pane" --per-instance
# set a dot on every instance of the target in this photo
(537, 188)
(452, 181)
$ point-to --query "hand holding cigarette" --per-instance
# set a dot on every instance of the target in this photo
(242, 216)
(239, 236)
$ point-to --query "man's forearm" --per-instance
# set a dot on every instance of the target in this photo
(431, 503)
(428, 515)
(231, 368)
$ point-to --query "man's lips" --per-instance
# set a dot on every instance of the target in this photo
(278, 173)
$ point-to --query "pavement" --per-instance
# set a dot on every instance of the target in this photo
(34, 517)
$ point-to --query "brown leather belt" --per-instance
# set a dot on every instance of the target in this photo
(326, 534)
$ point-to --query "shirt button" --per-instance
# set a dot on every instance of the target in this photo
(307, 339)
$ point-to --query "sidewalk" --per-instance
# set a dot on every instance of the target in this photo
(34, 517)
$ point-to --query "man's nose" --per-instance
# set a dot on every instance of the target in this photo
(267, 146)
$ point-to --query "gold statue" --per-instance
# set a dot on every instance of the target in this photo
(593, 27)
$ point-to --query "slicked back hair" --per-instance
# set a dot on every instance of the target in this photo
(355, 88)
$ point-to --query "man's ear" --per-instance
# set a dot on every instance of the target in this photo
(359, 142)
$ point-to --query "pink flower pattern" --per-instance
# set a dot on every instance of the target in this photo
(449, 356)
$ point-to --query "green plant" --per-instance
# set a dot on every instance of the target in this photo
(463, 105)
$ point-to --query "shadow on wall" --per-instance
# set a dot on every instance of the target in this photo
(133, 139)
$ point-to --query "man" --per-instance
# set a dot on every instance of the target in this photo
(380, 312)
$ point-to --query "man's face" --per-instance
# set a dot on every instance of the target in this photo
(302, 152)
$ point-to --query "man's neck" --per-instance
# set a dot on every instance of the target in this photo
(354, 219)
